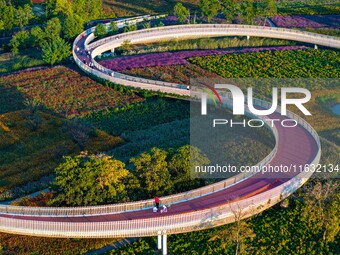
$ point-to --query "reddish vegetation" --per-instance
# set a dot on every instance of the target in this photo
(308, 21)
(65, 91)
(37, 1)
(177, 57)
(39, 200)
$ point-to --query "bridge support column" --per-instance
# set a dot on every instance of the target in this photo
(316, 46)
(248, 37)
(113, 50)
(165, 247)
(159, 241)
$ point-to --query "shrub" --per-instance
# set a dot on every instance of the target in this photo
(56, 51)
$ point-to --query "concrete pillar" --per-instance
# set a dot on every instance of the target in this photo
(165, 248)
(248, 37)
(315, 46)
(159, 241)
(113, 50)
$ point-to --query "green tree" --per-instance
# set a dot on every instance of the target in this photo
(182, 161)
(322, 209)
(129, 28)
(270, 8)
(89, 180)
(62, 8)
(210, 8)
(160, 24)
(38, 38)
(237, 233)
(56, 51)
(88, 9)
(152, 172)
(146, 24)
(181, 12)
(23, 15)
(7, 18)
(248, 11)
(17, 3)
(73, 25)
(20, 40)
(113, 27)
(94, 9)
(230, 9)
(79, 8)
(100, 30)
(126, 46)
(50, 6)
(52, 29)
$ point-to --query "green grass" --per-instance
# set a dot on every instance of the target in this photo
(144, 115)
(25, 59)
(332, 135)
(278, 64)
(206, 43)
(27, 154)
(325, 31)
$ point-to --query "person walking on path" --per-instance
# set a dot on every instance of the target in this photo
(157, 202)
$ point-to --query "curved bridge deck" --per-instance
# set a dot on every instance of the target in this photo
(296, 146)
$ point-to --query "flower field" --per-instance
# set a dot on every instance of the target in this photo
(308, 21)
(274, 64)
(178, 58)
(61, 90)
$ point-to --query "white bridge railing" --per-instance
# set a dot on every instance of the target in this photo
(184, 31)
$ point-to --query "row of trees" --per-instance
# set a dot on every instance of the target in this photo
(64, 20)
(11, 16)
(246, 9)
(100, 179)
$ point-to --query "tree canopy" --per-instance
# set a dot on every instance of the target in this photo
(100, 30)
(56, 51)
(210, 8)
(90, 180)
(23, 15)
(181, 12)
(152, 171)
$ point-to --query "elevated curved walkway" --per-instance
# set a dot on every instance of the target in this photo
(184, 31)
(206, 207)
